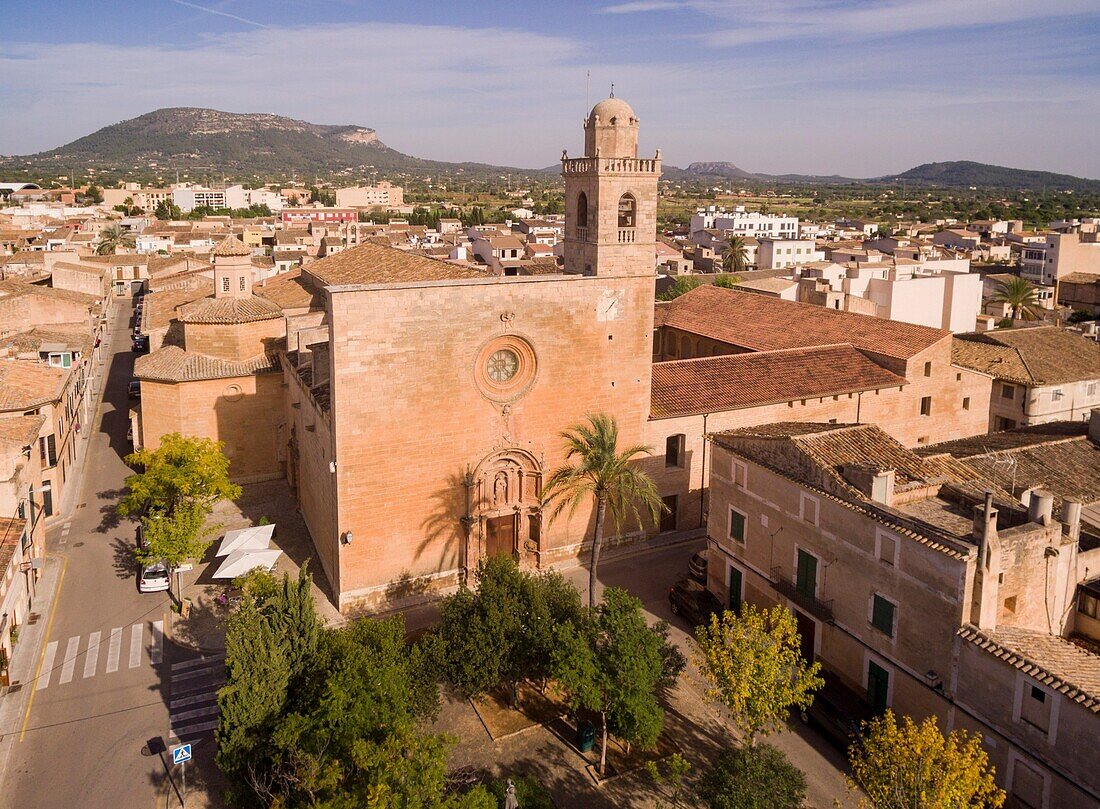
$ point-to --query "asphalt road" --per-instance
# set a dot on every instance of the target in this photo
(107, 680)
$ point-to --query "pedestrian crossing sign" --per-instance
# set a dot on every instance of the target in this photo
(181, 753)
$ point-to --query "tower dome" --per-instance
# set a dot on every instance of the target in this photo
(611, 130)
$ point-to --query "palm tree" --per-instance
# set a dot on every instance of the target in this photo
(735, 255)
(1020, 297)
(595, 468)
(113, 237)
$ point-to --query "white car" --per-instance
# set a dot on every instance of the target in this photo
(154, 578)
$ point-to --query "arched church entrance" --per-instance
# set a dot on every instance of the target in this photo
(505, 507)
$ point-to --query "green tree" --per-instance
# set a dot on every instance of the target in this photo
(167, 210)
(595, 469)
(727, 280)
(910, 766)
(615, 664)
(682, 284)
(111, 238)
(173, 536)
(757, 777)
(94, 194)
(183, 469)
(672, 776)
(735, 254)
(503, 632)
(753, 666)
(1019, 295)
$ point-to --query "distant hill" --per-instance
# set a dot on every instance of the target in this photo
(234, 143)
(207, 142)
(966, 173)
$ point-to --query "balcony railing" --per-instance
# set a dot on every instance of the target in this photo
(822, 610)
(626, 165)
(626, 236)
(581, 233)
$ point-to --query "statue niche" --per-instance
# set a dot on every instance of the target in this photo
(505, 506)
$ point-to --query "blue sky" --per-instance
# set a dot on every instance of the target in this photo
(849, 87)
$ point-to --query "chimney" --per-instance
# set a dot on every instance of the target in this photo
(1040, 507)
(1094, 425)
(1071, 519)
(882, 487)
(986, 595)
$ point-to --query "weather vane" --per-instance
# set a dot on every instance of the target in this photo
(612, 89)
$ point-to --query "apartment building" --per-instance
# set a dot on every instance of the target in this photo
(382, 195)
(1040, 374)
(1057, 255)
(740, 222)
(776, 254)
(925, 586)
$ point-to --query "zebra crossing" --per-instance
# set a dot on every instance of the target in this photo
(193, 696)
(88, 653)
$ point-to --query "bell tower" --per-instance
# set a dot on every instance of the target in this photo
(611, 197)
(232, 269)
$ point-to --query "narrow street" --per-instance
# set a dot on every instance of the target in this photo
(103, 675)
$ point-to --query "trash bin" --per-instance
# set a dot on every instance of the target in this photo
(586, 736)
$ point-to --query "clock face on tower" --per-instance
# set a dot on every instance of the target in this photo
(502, 365)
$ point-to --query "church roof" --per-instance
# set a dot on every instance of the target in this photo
(174, 364)
(230, 310)
(375, 264)
(738, 381)
(231, 246)
(761, 323)
(612, 108)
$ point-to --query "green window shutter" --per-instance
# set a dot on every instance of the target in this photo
(735, 591)
(882, 616)
(878, 686)
(806, 581)
(737, 526)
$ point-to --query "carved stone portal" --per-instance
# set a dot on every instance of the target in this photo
(505, 510)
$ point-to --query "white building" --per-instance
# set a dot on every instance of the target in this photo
(777, 254)
(740, 222)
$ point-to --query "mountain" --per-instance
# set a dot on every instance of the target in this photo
(731, 172)
(235, 144)
(966, 173)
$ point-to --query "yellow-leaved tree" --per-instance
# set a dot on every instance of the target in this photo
(753, 666)
(909, 766)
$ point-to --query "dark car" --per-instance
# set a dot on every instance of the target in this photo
(697, 567)
(693, 601)
(837, 711)
(140, 344)
(134, 390)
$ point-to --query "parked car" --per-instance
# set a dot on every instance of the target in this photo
(693, 601)
(134, 390)
(153, 578)
(697, 567)
(140, 344)
(837, 711)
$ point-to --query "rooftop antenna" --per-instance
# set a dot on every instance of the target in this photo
(587, 91)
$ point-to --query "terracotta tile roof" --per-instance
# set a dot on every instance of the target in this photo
(1040, 355)
(74, 337)
(1081, 278)
(25, 385)
(21, 431)
(736, 381)
(66, 265)
(289, 290)
(229, 310)
(1008, 440)
(160, 306)
(761, 323)
(173, 364)
(231, 246)
(1054, 661)
(11, 530)
(11, 287)
(374, 264)
(121, 259)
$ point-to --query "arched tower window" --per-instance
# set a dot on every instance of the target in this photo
(582, 210)
(628, 209)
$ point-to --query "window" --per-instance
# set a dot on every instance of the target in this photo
(735, 588)
(1091, 389)
(628, 209)
(806, 574)
(1008, 392)
(882, 615)
(1088, 603)
(674, 450)
(737, 526)
(47, 499)
(582, 210)
(668, 516)
(928, 369)
(886, 549)
(1028, 786)
(807, 508)
(225, 284)
(1035, 707)
(966, 403)
(242, 283)
(1056, 395)
(926, 405)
